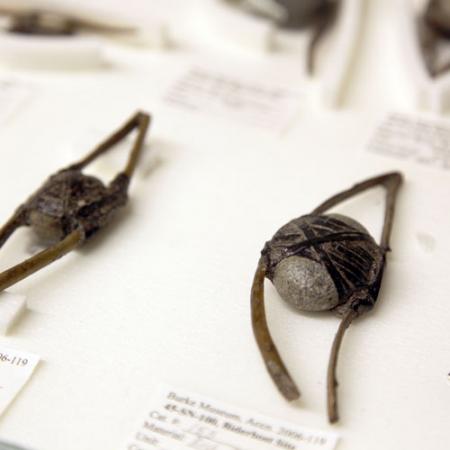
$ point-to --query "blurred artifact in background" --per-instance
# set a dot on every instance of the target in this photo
(55, 23)
(297, 15)
(323, 262)
(434, 33)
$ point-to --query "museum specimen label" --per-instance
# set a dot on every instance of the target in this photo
(178, 420)
(16, 367)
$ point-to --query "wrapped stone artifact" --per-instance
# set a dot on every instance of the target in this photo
(71, 207)
(323, 262)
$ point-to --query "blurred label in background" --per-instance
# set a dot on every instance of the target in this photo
(12, 95)
(260, 104)
(419, 139)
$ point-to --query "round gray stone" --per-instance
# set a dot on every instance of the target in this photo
(305, 284)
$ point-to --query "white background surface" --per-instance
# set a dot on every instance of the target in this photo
(163, 295)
